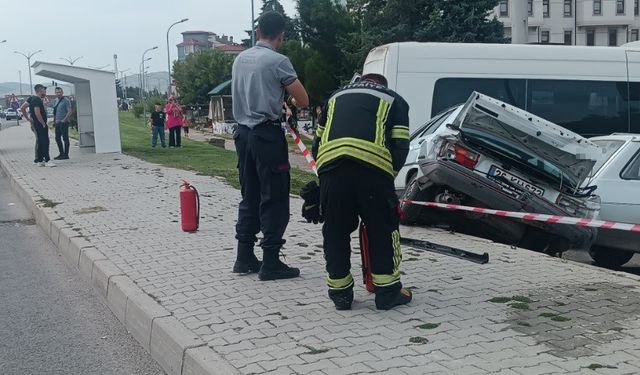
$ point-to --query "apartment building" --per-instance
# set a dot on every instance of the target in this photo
(194, 41)
(577, 22)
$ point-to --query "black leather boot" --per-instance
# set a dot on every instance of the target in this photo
(246, 261)
(274, 269)
(342, 298)
(390, 297)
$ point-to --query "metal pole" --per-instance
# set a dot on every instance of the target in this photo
(144, 105)
(28, 57)
(70, 60)
(20, 78)
(169, 53)
(253, 29)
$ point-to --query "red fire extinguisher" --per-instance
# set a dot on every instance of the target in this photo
(367, 278)
(189, 207)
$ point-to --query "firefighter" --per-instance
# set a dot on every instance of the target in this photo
(361, 143)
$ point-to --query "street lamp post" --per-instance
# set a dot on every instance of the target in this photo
(28, 57)
(70, 60)
(144, 106)
(123, 79)
(253, 26)
(141, 77)
(169, 53)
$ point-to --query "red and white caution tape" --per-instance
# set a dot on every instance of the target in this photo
(581, 222)
(303, 148)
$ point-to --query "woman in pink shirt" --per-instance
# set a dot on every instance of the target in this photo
(175, 119)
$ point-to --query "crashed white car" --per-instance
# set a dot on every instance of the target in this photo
(617, 177)
(434, 127)
(501, 157)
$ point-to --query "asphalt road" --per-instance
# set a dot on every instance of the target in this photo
(51, 320)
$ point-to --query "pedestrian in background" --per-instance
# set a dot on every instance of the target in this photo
(62, 112)
(175, 119)
(23, 108)
(260, 78)
(38, 118)
(157, 121)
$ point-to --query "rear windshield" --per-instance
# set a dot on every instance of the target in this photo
(608, 147)
(528, 161)
(432, 125)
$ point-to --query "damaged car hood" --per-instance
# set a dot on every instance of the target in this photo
(492, 122)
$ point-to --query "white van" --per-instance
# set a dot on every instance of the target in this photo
(589, 90)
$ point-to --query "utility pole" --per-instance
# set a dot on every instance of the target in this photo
(169, 53)
(20, 78)
(28, 57)
(115, 70)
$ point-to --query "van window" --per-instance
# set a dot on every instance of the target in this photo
(634, 107)
(588, 108)
(449, 92)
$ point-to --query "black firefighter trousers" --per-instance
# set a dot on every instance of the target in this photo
(263, 166)
(348, 191)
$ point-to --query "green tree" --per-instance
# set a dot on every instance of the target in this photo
(321, 24)
(290, 31)
(199, 73)
(387, 21)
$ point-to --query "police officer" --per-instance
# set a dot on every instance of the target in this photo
(361, 143)
(260, 78)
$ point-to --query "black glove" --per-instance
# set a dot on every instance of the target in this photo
(311, 207)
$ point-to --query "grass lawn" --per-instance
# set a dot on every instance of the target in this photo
(195, 156)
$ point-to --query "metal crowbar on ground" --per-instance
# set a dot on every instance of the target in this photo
(418, 245)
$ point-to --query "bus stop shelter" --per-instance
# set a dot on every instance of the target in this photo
(96, 100)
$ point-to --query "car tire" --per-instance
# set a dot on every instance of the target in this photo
(609, 257)
(411, 213)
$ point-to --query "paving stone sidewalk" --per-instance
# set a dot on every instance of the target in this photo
(522, 313)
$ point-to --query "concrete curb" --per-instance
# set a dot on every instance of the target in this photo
(177, 349)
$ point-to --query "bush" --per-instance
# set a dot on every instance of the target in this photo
(138, 107)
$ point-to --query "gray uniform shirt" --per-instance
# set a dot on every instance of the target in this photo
(62, 108)
(259, 78)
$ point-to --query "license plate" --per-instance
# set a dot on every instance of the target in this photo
(514, 181)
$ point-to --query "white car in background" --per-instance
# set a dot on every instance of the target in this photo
(617, 177)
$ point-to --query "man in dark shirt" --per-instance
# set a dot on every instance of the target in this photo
(38, 119)
(157, 126)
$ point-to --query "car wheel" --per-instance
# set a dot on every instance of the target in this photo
(609, 257)
(410, 213)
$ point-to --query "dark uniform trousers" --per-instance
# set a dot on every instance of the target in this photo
(350, 190)
(263, 165)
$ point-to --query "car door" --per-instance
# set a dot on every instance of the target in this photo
(619, 187)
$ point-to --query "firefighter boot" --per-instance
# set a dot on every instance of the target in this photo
(274, 269)
(246, 261)
(389, 297)
(342, 298)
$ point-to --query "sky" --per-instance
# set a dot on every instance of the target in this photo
(96, 30)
